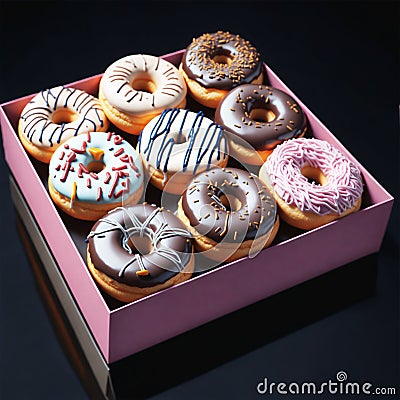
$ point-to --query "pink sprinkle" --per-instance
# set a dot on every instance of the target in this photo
(61, 155)
(89, 183)
(119, 193)
(108, 177)
(58, 167)
(93, 175)
(132, 164)
(114, 185)
(71, 157)
(66, 146)
(88, 136)
(81, 169)
(124, 158)
(109, 136)
(119, 168)
(99, 193)
(81, 150)
(118, 139)
(119, 152)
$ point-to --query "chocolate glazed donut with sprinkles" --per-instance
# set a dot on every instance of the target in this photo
(229, 212)
(214, 63)
(55, 115)
(259, 117)
(92, 173)
(135, 251)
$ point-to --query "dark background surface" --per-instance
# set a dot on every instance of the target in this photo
(342, 60)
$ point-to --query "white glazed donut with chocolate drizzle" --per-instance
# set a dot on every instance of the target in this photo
(93, 173)
(136, 88)
(138, 250)
(54, 115)
(178, 144)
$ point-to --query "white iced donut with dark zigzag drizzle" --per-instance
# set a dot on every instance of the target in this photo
(54, 115)
(313, 182)
(94, 173)
(136, 88)
(179, 144)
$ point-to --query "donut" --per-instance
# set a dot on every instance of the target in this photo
(179, 144)
(214, 63)
(93, 173)
(136, 88)
(138, 250)
(259, 117)
(313, 182)
(229, 212)
(55, 115)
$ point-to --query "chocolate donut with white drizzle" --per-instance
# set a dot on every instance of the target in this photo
(137, 250)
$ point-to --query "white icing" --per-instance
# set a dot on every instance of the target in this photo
(158, 148)
(106, 142)
(116, 84)
(36, 123)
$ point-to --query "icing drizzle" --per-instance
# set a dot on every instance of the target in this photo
(36, 121)
(344, 183)
(182, 136)
(111, 252)
(117, 84)
(143, 229)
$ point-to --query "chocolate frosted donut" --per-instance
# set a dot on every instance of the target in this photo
(137, 250)
(259, 117)
(227, 209)
(214, 63)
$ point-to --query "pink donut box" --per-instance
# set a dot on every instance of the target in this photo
(139, 325)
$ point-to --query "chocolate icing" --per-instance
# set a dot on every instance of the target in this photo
(198, 63)
(234, 115)
(203, 205)
(109, 246)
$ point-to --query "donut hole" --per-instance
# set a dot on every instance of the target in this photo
(231, 202)
(262, 115)
(63, 116)
(95, 166)
(140, 245)
(222, 59)
(144, 85)
(314, 175)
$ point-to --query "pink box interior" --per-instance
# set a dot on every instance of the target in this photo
(127, 329)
